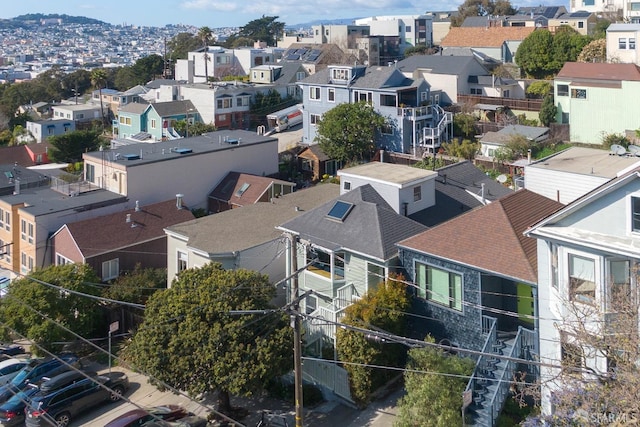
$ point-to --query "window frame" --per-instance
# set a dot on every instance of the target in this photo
(574, 282)
(108, 267)
(417, 193)
(562, 90)
(331, 95)
(426, 292)
(314, 119)
(182, 261)
(314, 93)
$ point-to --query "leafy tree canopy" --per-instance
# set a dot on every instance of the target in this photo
(596, 51)
(482, 8)
(465, 149)
(464, 125)
(181, 44)
(548, 110)
(383, 308)
(539, 88)
(68, 147)
(516, 147)
(534, 54)
(266, 29)
(433, 400)
(137, 286)
(189, 338)
(346, 132)
(419, 50)
(78, 313)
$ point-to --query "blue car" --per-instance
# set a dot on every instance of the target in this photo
(35, 371)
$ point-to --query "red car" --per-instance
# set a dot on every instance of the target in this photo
(137, 417)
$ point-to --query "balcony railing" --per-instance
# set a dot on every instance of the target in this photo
(512, 103)
(415, 113)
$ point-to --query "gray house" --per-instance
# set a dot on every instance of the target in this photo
(43, 129)
(415, 123)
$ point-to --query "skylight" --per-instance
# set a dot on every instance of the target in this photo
(242, 189)
(340, 210)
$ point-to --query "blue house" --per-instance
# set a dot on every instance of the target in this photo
(153, 122)
(414, 124)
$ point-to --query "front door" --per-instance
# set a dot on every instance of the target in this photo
(526, 304)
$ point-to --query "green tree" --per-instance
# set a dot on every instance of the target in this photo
(205, 35)
(99, 80)
(596, 51)
(548, 110)
(68, 147)
(433, 400)
(481, 8)
(609, 139)
(190, 339)
(181, 44)
(419, 50)
(466, 149)
(148, 68)
(539, 89)
(600, 30)
(266, 29)
(566, 46)
(516, 147)
(136, 286)
(126, 78)
(381, 308)
(346, 132)
(534, 54)
(78, 313)
(464, 125)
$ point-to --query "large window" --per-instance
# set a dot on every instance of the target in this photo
(622, 43)
(554, 265)
(635, 214)
(225, 103)
(331, 95)
(619, 283)
(110, 269)
(359, 96)
(439, 286)
(26, 231)
(90, 172)
(62, 260)
(563, 90)
(417, 193)
(375, 275)
(314, 119)
(582, 273)
(579, 93)
(321, 263)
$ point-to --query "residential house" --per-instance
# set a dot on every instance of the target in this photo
(81, 114)
(114, 99)
(153, 122)
(582, 88)
(117, 242)
(621, 43)
(357, 40)
(191, 166)
(413, 124)
(314, 163)
(32, 215)
(491, 142)
(37, 111)
(25, 155)
(316, 57)
(460, 187)
(587, 259)
(448, 76)
(285, 75)
(584, 22)
(43, 129)
(499, 43)
(440, 24)
(574, 172)
(517, 20)
(226, 237)
(240, 189)
(413, 30)
(476, 278)
(406, 189)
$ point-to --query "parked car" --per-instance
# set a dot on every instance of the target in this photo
(137, 417)
(12, 411)
(35, 371)
(192, 421)
(60, 406)
(9, 368)
(11, 349)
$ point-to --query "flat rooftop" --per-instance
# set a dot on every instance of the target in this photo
(399, 175)
(45, 201)
(144, 153)
(587, 161)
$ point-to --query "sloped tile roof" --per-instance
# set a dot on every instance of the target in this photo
(229, 188)
(490, 238)
(599, 71)
(371, 228)
(484, 37)
(15, 154)
(111, 232)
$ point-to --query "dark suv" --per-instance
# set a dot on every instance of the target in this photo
(36, 371)
(58, 407)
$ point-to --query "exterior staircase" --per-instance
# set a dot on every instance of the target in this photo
(490, 383)
(432, 137)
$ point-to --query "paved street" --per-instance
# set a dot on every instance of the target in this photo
(329, 414)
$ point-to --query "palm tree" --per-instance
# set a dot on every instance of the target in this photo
(205, 34)
(99, 80)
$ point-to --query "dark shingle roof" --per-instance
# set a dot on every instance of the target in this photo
(110, 232)
(491, 238)
(173, 108)
(437, 64)
(459, 189)
(371, 228)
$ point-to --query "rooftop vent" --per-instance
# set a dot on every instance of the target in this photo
(131, 156)
(183, 150)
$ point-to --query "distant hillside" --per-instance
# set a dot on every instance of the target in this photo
(342, 21)
(31, 18)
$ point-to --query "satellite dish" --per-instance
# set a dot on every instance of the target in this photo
(502, 178)
(617, 150)
(635, 150)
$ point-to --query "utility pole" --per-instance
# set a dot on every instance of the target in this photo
(297, 335)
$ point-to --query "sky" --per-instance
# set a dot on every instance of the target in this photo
(230, 13)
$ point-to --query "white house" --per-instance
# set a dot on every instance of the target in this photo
(621, 42)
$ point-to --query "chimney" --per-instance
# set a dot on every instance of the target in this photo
(529, 156)
(179, 200)
(128, 220)
(16, 186)
(297, 208)
(137, 206)
(482, 193)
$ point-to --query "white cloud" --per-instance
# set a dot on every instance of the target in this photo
(221, 6)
